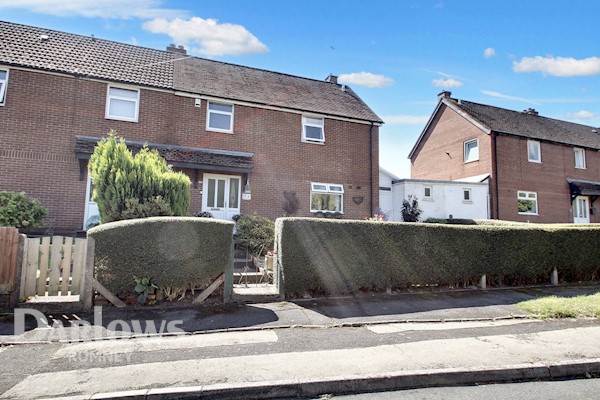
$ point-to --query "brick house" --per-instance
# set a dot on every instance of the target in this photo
(541, 169)
(245, 136)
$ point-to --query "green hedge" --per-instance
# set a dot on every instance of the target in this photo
(341, 256)
(173, 251)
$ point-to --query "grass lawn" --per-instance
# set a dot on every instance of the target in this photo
(563, 307)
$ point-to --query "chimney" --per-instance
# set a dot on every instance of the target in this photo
(530, 111)
(444, 95)
(176, 49)
(331, 79)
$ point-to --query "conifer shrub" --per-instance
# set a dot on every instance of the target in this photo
(171, 251)
(127, 186)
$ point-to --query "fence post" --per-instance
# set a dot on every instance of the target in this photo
(554, 278)
(483, 281)
(15, 296)
(228, 284)
(87, 290)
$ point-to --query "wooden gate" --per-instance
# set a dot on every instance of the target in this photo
(9, 242)
(53, 266)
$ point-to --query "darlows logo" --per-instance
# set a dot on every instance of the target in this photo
(133, 327)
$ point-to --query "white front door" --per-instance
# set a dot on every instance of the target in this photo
(581, 210)
(221, 195)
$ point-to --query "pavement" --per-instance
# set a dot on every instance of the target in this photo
(481, 337)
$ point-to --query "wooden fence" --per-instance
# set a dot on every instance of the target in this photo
(53, 265)
(9, 242)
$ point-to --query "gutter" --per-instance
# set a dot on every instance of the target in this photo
(495, 162)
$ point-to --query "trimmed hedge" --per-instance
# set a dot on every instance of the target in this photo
(342, 256)
(172, 251)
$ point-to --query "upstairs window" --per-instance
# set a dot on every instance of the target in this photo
(527, 203)
(534, 151)
(326, 197)
(312, 130)
(219, 117)
(122, 104)
(472, 150)
(579, 158)
(3, 83)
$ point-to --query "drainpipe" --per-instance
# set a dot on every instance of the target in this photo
(371, 167)
(495, 161)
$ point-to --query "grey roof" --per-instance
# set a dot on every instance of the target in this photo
(531, 126)
(179, 156)
(21, 45)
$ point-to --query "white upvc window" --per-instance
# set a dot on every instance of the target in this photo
(219, 117)
(471, 150)
(427, 192)
(122, 104)
(534, 151)
(313, 130)
(326, 197)
(3, 84)
(579, 158)
(467, 195)
(527, 203)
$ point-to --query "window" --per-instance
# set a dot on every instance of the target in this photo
(3, 83)
(472, 150)
(427, 192)
(534, 152)
(312, 130)
(325, 197)
(219, 117)
(527, 202)
(122, 104)
(466, 194)
(579, 158)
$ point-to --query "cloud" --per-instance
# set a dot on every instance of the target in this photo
(580, 115)
(489, 53)
(406, 119)
(507, 97)
(447, 83)
(559, 66)
(110, 9)
(213, 38)
(366, 79)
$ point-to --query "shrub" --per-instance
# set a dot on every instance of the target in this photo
(171, 251)
(328, 256)
(124, 183)
(20, 211)
(410, 210)
(256, 233)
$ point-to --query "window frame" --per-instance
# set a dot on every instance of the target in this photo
(305, 124)
(527, 198)
(3, 87)
(465, 144)
(330, 189)
(136, 101)
(539, 151)
(582, 151)
(209, 112)
(425, 196)
(470, 196)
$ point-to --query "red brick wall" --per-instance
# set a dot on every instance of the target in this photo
(548, 179)
(449, 131)
(44, 112)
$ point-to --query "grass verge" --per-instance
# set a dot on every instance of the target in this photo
(563, 307)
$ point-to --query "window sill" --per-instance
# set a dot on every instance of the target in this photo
(427, 199)
(534, 161)
(582, 168)
(528, 214)
(311, 142)
(121, 119)
(219, 130)
(471, 161)
(467, 201)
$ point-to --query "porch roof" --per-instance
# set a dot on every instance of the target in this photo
(584, 188)
(179, 156)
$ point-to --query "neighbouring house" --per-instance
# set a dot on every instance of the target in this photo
(541, 169)
(245, 136)
(464, 198)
